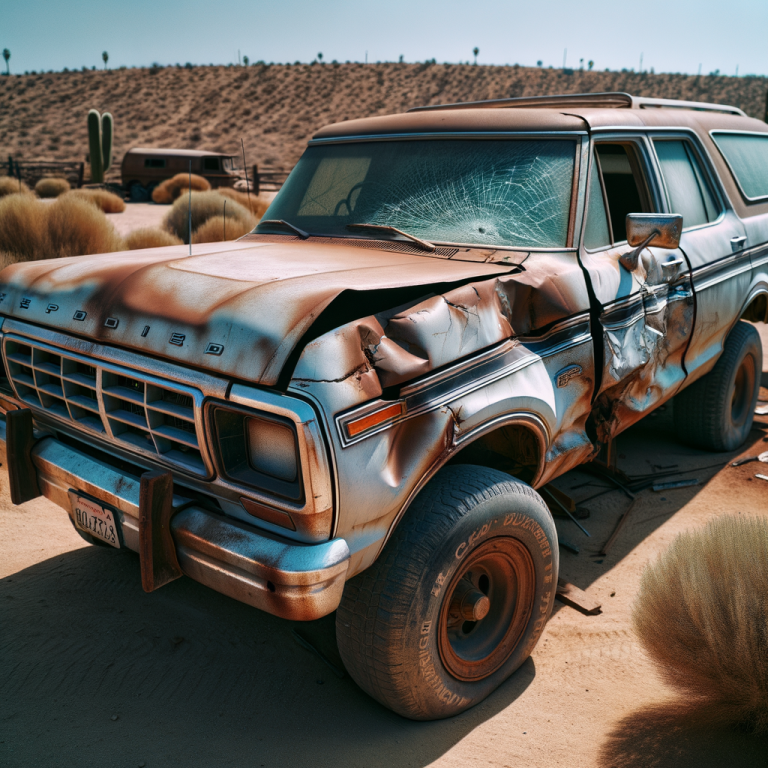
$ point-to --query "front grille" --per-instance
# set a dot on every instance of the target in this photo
(141, 413)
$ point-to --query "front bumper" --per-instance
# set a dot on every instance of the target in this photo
(294, 581)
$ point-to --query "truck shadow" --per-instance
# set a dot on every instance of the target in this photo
(192, 678)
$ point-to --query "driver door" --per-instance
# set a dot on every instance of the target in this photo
(644, 318)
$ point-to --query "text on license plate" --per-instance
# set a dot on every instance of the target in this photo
(95, 519)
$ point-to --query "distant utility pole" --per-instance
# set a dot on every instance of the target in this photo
(105, 56)
(565, 56)
(6, 56)
(475, 50)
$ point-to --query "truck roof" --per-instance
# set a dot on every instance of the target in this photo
(565, 112)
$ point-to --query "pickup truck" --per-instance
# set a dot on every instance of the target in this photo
(350, 409)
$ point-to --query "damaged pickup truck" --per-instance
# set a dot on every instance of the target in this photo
(349, 408)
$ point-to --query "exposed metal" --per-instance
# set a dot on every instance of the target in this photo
(389, 361)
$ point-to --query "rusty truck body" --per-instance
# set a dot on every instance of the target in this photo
(350, 408)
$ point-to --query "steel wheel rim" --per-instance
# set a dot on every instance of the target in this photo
(743, 386)
(503, 570)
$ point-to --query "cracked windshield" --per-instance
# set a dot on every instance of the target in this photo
(484, 192)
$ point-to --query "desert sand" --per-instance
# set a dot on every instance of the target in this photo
(276, 108)
(94, 672)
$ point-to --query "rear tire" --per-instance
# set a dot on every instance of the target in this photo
(716, 412)
(458, 598)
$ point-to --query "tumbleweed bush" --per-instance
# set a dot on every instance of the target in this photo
(205, 205)
(258, 205)
(215, 230)
(51, 186)
(108, 202)
(149, 237)
(170, 189)
(702, 616)
(11, 186)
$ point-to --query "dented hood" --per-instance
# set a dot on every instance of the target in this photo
(234, 308)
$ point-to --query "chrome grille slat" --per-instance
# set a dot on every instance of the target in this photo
(147, 414)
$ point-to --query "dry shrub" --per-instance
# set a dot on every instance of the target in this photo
(216, 230)
(702, 616)
(205, 205)
(150, 237)
(170, 189)
(11, 186)
(106, 201)
(51, 186)
(31, 230)
(257, 205)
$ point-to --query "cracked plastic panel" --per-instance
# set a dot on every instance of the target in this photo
(490, 192)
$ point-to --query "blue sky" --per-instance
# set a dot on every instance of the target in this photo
(671, 36)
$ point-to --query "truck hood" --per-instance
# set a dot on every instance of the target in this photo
(237, 309)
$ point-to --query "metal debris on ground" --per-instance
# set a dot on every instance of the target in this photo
(570, 547)
(656, 487)
(762, 457)
(762, 477)
(761, 409)
(612, 538)
(548, 496)
(576, 598)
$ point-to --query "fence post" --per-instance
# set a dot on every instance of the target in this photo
(10, 165)
(255, 179)
(80, 175)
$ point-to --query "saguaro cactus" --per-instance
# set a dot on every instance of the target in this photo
(100, 130)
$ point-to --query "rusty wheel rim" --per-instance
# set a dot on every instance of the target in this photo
(743, 387)
(486, 608)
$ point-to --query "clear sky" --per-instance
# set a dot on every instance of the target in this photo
(671, 36)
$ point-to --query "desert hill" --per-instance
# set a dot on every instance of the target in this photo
(276, 108)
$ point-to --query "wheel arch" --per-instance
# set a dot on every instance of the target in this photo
(529, 429)
(755, 308)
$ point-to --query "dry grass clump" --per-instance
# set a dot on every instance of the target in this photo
(11, 186)
(702, 616)
(257, 205)
(31, 230)
(106, 201)
(170, 189)
(205, 205)
(51, 186)
(216, 230)
(150, 237)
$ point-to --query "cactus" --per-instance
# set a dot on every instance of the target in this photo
(100, 131)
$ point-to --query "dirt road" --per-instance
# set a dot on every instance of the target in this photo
(93, 672)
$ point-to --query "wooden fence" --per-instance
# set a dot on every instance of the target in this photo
(31, 172)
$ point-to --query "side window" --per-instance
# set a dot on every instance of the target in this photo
(154, 162)
(617, 187)
(747, 156)
(211, 164)
(687, 190)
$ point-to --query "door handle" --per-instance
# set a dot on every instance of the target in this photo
(737, 243)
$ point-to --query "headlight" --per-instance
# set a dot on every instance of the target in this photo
(260, 451)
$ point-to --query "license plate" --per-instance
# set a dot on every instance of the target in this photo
(92, 518)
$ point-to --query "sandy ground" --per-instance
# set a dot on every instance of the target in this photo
(93, 672)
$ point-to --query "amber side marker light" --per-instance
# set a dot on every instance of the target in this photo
(354, 428)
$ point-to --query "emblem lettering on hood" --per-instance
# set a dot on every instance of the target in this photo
(2, 298)
(177, 339)
(145, 331)
(566, 374)
(51, 308)
(214, 349)
(111, 322)
(24, 303)
(79, 315)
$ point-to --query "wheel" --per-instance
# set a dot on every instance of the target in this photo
(716, 412)
(457, 599)
(137, 193)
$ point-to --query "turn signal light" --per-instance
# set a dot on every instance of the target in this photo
(365, 423)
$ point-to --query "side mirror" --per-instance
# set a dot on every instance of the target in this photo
(661, 230)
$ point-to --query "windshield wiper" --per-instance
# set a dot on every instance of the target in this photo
(281, 222)
(425, 244)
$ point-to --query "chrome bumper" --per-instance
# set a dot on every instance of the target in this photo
(295, 581)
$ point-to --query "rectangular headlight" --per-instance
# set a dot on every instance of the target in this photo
(260, 451)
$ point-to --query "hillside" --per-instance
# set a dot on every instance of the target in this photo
(276, 108)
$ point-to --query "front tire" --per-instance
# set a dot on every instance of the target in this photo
(458, 598)
(716, 412)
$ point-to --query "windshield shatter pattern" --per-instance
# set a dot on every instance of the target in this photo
(485, 192)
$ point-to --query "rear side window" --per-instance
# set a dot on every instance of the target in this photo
(687, 189)
(596, 232)
(747, 157)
